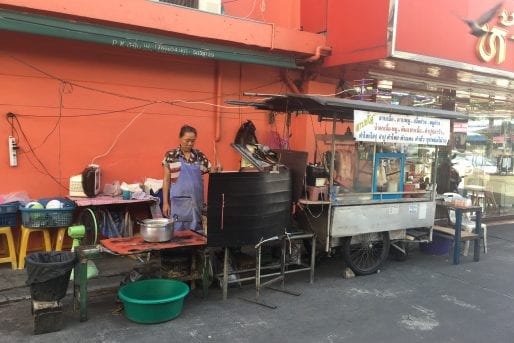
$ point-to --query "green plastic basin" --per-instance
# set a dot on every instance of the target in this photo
(154, 300)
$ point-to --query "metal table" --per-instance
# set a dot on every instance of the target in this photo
(276, 276)
(459, 211)
(128, 246)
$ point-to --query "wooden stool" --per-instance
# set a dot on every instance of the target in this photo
(6, 230)
(25, 233)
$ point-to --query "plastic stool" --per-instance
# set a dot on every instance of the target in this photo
(59, 238)
(6, 230)
(471, 229)
(25, 233)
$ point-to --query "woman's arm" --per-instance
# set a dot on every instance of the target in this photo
(166, 191)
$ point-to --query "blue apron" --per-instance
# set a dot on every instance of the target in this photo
(186, 197)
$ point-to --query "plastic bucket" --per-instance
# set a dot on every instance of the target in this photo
(154, 300)
(438, 246)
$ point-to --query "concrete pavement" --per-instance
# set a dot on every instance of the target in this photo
(424, 299)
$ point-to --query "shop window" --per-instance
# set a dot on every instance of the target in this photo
(185, 3)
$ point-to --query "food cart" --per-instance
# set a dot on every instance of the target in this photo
(380, 162)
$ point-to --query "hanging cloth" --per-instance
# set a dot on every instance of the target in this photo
(186, 197)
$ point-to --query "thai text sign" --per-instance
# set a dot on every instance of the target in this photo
(397, 128)
(493, 45)
(444, 38)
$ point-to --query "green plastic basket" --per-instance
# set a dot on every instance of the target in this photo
(57, 217)
(154, 300)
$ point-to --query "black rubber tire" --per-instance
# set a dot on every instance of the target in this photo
(367, 252)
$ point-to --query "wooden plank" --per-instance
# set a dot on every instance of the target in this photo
(451, 232)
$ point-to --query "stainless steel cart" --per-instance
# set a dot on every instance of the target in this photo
(380, 187)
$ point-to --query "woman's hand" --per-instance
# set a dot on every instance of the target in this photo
(218, 168)
(166, 210)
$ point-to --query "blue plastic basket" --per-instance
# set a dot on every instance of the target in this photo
(58, 217)
(9, 214)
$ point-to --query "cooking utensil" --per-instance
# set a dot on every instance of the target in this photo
(157, 230)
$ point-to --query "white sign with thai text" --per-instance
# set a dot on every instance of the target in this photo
(398, 128)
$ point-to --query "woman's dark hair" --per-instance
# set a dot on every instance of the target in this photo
(185, 129)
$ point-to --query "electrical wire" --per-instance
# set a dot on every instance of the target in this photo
(251, 11)
(59, 116)
(315, 141)
(174, 102)
(76, 84)
(117, 137)
(171, 102)
(31, 150)
(12, 122)
(87, 115)
(334, 94)
(148, 101)
(67, 87)
(62, 89)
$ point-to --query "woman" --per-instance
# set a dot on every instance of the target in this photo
(183, 183)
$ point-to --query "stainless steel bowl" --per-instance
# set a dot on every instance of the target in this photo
(157, 230)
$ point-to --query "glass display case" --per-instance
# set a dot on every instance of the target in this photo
(388, 175)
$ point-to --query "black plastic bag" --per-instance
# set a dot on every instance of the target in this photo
(49, 274)
(44, 266)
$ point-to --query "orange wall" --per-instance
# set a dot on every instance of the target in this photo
(98, 80)
(284, 13)
(357, 30)
(277, 28)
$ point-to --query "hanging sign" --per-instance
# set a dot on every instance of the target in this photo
(398, 128)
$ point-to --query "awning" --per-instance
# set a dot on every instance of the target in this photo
(128, 39)
(342, 108)
(476, 138)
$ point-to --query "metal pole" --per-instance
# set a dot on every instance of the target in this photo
(225, 274)
(205, 276)
(83, 288)
(258, 273)
(458, 228)
(283, 260)
(331, 182)
(313, 257)
(478, 231)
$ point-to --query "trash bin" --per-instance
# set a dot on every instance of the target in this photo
(49, 274)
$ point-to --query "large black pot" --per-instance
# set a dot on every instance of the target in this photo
(243, 207)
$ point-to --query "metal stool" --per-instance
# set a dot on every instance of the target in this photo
(25, 234)
(7, 231)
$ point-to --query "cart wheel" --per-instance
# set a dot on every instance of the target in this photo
(365, 253)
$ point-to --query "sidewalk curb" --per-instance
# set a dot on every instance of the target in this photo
(96, 285)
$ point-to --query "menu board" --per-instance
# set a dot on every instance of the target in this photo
(398, 128)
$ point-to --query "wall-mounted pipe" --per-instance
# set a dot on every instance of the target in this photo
(272, 45)
(217, 108)
(287, 80)
(320, 51)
